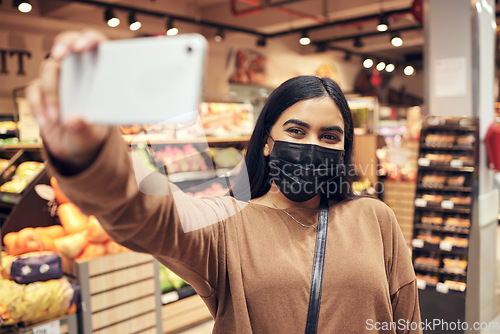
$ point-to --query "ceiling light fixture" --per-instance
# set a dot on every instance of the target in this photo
(409, 70)
(396, 40)
(380, 66)
(358, 43)
(383, 23)
(367, 63)
(171, 29)
(22, 6)
(219, 35)
(347, 56)
(304, 40)
(134, 24)
(111, 19)
(390, 67)
(262, 41)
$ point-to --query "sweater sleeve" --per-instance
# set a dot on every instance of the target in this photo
(403, 283)
(143, 212)
(405, 309)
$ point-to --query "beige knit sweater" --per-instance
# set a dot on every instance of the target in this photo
(252, 264)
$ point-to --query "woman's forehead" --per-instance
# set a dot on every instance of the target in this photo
(318, 111)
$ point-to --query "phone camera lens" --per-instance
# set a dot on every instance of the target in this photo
(189, 49)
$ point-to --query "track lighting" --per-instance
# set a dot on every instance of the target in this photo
(134, 24)
(380, 66)
(383, 23)
(409, 70)
(390, 67)
(367, 63)
(219, 36)
(347, 56)
(23, 6)
(304, 40)
(358, 43)
(262, 41)
(321, 47)
(396, 40)
(171, 29)
(111, 19)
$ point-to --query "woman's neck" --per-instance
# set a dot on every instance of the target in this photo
(274, 197)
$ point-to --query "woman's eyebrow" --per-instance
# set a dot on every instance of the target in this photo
(296, 121)
(333, 128)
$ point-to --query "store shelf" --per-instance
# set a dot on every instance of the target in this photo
(183, 314)
(450, 147)
(176, 295)
(442, 168)
(66, 324)
(438, 208)
(154, 140)
(460, 128)
(191, 176)
(444, 188)
(442, 228)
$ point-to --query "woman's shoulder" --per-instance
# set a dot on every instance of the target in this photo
(364, 205)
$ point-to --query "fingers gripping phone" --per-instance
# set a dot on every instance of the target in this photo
(136, 81)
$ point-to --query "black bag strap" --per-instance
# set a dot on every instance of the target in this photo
(317, 274)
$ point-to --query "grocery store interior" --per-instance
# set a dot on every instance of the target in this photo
(422, 81)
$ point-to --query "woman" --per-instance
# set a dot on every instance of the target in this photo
(250, 262)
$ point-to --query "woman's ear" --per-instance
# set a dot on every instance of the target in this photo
(267, 151)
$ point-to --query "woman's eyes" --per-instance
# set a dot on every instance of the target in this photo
(330, 137)
(327, 137)
(296, 131)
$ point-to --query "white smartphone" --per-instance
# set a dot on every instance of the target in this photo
(145, 80)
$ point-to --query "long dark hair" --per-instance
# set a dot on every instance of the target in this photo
(287, 94)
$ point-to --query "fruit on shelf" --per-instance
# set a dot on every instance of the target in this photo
(181, 159)
(60, 196)
(23, 175)
(169, 280)
(226, 157)
(216, 189)
(71, 245)
(29, 169)
(15, 186)
(95, 232)
(71, 218)
(141, 153)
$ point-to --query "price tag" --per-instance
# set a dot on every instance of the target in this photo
(441, 287)
(417, 243)
(446, 246)
(420, 202)
(421, 284)
(424, 162)
(169, 297)
(456, 163)
(446, 204)
(53, 327)
(433, 121)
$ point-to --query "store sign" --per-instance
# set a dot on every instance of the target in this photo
(13, 60)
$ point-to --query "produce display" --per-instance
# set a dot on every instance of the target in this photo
(78, 237)
(216, 189)
(184, 158)
(226, 157)
(35, 302)
(170, 281)
(23, 175)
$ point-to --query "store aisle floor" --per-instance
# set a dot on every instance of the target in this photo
(206, 327)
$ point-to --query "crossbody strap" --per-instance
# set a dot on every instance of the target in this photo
(317, 274)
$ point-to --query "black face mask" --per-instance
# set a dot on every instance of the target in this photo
(302, 171)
